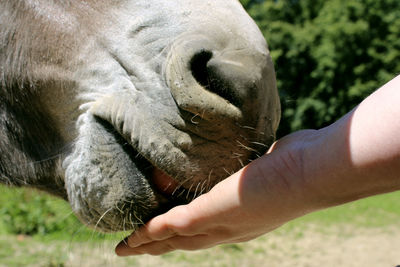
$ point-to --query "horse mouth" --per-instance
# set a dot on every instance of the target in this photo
(169, 191)
(124, 186)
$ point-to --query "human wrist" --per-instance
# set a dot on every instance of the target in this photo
(283, 175)
(319, 156)
(305, 143)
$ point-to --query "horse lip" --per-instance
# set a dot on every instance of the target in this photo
(169, 189)
(165, 186)
(163, 182)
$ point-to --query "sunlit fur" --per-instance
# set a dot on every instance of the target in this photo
(95, 94)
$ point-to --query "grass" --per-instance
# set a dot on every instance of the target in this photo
(65, 242)
(378, 211)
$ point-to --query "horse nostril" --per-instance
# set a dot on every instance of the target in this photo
(198, 67)
(201, 80)
(209, 74)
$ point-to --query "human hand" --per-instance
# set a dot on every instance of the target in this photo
(303, 172)
(252, 202)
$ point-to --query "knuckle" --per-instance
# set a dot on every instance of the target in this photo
(182, 222)
(170, 230)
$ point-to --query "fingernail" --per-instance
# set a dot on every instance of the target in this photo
(131, 242)
(123, 250)
(133, 245)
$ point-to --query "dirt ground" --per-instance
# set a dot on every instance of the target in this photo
(343, 246)
(315, 246)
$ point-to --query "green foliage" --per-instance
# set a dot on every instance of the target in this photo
(33, 213)
(329, 55)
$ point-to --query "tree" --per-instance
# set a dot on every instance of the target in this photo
(328, 55)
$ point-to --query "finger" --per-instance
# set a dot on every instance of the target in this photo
(175, 222)
(124, 251)
(165, 246)
(155, 230)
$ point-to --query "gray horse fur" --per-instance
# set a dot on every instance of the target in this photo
(97, 95)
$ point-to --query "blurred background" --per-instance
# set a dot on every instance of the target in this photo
(328, 56)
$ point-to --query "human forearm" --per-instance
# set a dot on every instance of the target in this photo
(359, 155)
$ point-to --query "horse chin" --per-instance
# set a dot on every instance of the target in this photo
(111, 186)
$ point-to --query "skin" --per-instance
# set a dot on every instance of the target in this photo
(310, 170)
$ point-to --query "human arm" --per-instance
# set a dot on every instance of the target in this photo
(356, 157)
